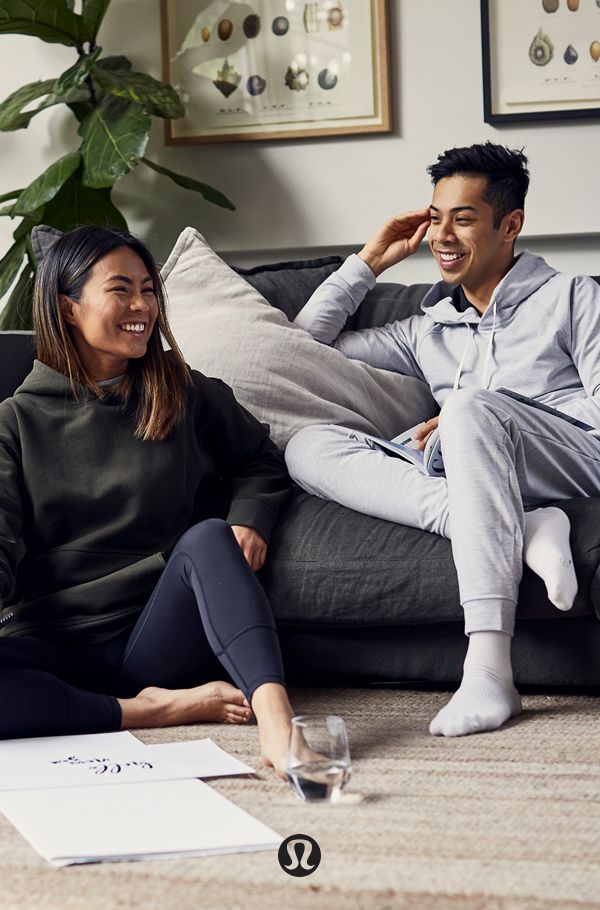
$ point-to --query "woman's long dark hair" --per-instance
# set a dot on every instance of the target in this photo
(160, 381)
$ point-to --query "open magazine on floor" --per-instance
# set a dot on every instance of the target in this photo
(430, 460)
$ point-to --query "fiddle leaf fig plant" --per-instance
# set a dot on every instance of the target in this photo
(114, 106)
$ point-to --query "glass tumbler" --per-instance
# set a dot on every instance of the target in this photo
(318, 762)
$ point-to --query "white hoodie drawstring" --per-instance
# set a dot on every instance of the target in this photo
(485, 377)
(485, 381)
(462, 359)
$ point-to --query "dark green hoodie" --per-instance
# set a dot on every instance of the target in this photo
(88, 512)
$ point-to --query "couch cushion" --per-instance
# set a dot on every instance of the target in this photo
(17, 352)
(387, 302)
(288, 285)
(288, 380)
(331, 566)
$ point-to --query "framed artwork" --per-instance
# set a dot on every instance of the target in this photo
(276, 69)
(541, 59)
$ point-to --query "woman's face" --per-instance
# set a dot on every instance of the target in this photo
(115, 315)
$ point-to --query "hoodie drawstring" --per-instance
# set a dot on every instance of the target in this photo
(485, 376)
(485, 379)
(462, 359)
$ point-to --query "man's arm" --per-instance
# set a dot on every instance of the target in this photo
(340, 295)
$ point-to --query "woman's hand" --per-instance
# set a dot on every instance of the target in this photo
(423, 432)
(252, 545)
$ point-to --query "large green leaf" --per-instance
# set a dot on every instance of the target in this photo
(76, 74)
(50, 20)
(80, 109)
(114, 63)
(47, 185)
(188, 183)
(17, 312)
(115, 136)
(11, 116)
(11, 263)
(92, 15)
(76, 204)
(159, 98)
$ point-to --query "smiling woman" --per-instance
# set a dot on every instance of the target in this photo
(106, 285)
(114, 316)
(125, 599)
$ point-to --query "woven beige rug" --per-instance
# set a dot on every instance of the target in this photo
(505, 821)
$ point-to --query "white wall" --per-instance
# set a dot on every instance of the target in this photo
(321, 196)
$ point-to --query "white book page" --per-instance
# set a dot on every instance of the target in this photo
(107, 758)
(133, 821)
(208, 759)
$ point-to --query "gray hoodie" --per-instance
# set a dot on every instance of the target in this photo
(539, 336)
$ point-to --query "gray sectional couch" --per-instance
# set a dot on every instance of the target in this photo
(357, 598)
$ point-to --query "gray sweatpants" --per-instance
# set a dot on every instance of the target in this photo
(500, 455)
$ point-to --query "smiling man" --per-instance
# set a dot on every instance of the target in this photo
(495, 321)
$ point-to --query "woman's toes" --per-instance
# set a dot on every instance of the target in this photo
(240, 715)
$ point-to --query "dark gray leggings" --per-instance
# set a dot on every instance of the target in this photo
(207, 612)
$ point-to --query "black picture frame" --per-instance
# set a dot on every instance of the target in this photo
(533, 113)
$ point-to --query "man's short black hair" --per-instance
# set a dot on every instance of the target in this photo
(504, 169)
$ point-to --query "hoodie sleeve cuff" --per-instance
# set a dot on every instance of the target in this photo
(252, 514)
(357, 277)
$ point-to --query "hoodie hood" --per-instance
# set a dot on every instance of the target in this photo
(43, 380)
(527, 275)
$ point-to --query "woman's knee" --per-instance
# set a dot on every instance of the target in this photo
(199, 535)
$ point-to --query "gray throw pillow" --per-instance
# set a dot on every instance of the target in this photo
(226, 329)
(42, 238)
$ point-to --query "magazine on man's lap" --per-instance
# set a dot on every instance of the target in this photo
(430, 460)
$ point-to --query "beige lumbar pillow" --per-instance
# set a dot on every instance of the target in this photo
(227, 329)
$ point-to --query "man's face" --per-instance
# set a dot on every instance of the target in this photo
(467, 247)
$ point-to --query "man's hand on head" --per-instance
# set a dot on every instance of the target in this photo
(397, 239)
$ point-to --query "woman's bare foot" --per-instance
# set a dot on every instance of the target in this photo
(214, 702)
(273, 715)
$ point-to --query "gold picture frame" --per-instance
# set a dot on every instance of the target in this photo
(276, 69)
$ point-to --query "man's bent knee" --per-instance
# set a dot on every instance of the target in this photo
(311, 443)
(464, 405)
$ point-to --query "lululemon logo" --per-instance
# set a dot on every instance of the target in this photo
(299, 855)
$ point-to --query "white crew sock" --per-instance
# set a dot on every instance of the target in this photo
(487, 696)
(546, 550)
